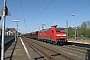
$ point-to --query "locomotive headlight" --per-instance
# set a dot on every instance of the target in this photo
(64, 34)
(58, 35)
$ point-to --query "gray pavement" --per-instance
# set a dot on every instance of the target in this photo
(16, 51)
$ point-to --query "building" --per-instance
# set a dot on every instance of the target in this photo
(10, 31)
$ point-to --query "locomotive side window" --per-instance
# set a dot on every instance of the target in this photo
(60, 31)
(52, 31)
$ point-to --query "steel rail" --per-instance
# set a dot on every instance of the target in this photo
(61, 54)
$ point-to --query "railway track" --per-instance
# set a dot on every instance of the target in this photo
(66, 52)
(75, 48)
(48, 53)
(78, 53)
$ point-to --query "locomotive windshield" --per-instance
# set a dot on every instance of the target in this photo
(60, 31)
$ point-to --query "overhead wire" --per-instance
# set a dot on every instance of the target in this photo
(42, 12)
(45, 10)
(40, 7)
(23, 13)
(71, 12)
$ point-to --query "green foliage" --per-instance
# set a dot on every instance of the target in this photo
(88, 33)
(70, 32)
(82, 31)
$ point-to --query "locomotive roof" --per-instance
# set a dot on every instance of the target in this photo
(44, 30)
(51, 28)
(60, 28)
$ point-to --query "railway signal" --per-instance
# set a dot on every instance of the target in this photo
(7, 13)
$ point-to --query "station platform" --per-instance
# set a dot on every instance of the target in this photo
(16, 51)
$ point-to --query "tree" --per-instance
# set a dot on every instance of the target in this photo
(70, 32)
(84, 26)
(88, 33)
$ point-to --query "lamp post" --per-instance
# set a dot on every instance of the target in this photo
(4, 12)
(3, 17)
(16, 33)
(67, 27)
(75, 24)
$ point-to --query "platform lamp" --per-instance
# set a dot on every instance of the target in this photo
(16, 32)
(75, 23)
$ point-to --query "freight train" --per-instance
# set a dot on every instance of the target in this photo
(53, 35)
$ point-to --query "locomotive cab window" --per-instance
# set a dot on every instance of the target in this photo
(57, 30)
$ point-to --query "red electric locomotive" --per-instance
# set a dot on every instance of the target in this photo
(53, 35)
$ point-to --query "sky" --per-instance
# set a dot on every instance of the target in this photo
(32, 14)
